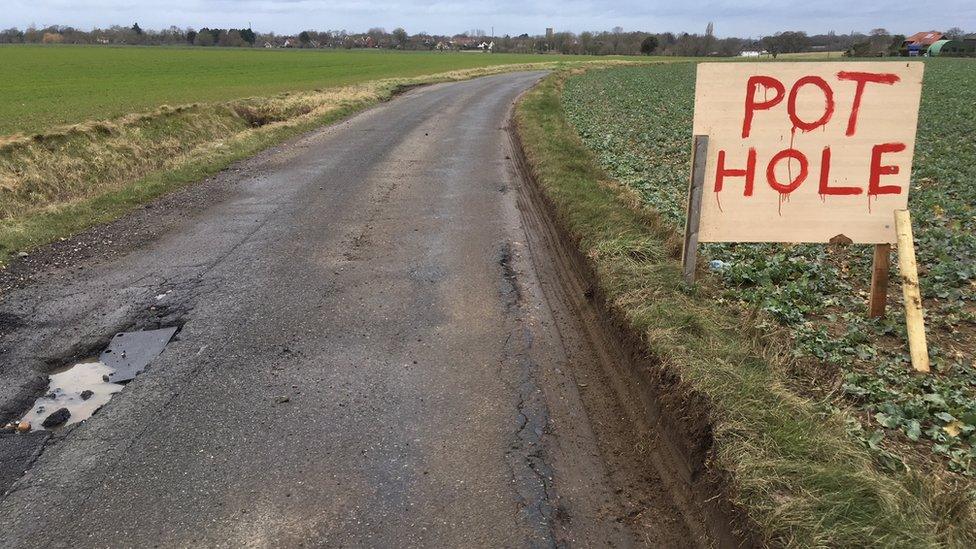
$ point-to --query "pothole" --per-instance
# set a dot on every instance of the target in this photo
(81, 390)
(77, 392)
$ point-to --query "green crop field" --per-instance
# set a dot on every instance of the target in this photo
(637, 120)
(45, 86)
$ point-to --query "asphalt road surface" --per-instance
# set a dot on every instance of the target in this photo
(374, 350)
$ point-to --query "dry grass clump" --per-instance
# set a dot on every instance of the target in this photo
(47, 170)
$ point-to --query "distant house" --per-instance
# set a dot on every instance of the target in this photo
(753, 53)
(289, 43)
(268, 45)
(486, 46)
(465, 42)
(919, 43)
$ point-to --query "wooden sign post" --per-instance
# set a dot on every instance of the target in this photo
(806, 153)
(914, 321)
(878, 299)
(689, 253)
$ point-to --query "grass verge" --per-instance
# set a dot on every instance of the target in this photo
(57, 183)
(795, 472)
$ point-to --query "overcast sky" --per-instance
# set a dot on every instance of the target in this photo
(732, 18)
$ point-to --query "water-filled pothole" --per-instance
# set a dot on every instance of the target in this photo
(77, 392)
(81, 390)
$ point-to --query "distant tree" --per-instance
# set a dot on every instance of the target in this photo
(379, 36)
(248, 36)
(955, 33)
(786, 42)
(586, 42)
(615, 39)
(709, 42)
(648, 45)
(421, 41)
(204, 38)
(771, 44)
(895, 45)
(564, 42)
(231, 39)
(400, 36)
(11, 36)
(879, 42)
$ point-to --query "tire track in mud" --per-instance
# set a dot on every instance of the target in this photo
(656, 480)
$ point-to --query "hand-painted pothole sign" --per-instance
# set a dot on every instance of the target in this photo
(805, 152)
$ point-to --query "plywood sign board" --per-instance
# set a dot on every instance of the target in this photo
(805, 152)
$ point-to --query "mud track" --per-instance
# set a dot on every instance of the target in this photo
(671, 419)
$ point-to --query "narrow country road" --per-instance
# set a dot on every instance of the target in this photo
(376, 348)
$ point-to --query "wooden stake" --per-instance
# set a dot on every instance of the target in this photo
(879, 281)
(914, 319)
(689, 253)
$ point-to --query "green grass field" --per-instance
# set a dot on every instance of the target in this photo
(638, 122)
(45, 86)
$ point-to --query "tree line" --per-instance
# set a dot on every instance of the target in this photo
(613, 42)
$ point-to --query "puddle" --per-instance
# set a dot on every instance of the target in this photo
(65, 391)
(87, 386)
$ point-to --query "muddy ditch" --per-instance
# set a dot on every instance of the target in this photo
(669, 406)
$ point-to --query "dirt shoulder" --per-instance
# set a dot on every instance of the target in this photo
(784, 465)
